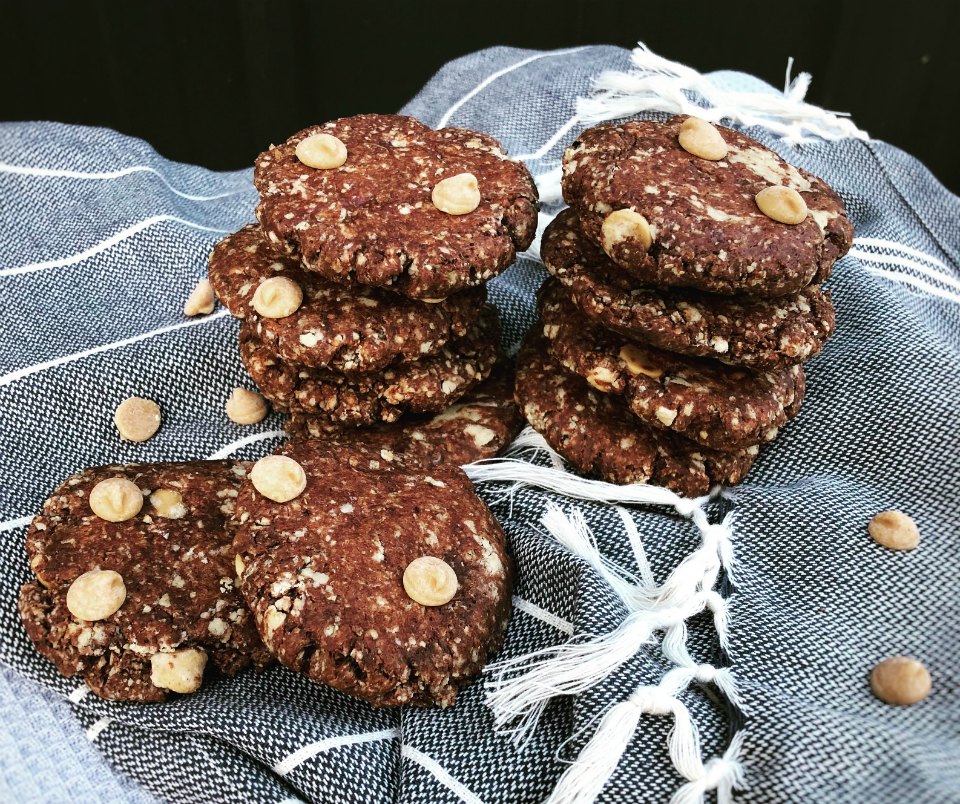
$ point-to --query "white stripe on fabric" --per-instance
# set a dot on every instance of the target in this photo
(103, 245)
(97, 728)
(543, 615)
(78, 694)
(25, 170)
(19, 374)
(499, 73)
(876, 242)
(430, 764)
(233, 446)
(544, 149)
(905, 279)
(13, 524)
(891, 259)
(301, 755)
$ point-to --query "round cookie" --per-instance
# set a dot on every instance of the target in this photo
(598, 435)
(176, 561)
(324, 574)
(351, 400)
(706, 228)
(718, 406)
(373, 218)
(742, 330)
(348, 328)
(481, 425)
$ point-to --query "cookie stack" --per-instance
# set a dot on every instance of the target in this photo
(361, 289)
(684, 299)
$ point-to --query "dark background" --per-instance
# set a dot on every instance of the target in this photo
(213, 83)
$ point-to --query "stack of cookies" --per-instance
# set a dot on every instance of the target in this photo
(684, 298)
(361, 289)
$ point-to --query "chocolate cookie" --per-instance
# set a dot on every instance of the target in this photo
(702, 226)
(598, 435)
(739, 330)
(481, 425)
(718, 406)
(373, 217)
(167, 573)
(351, 400)
(324, 574)
(348, 328)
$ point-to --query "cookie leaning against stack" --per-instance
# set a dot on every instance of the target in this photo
(361, 287)
(686, 291)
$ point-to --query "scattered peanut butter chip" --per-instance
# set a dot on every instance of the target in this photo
(782, 204)
(168, 504)
(638, 361)
(137, 419)
(201, 300)
(430, 581)
(239, 565)
(432, 301)
(116, 499)
(277, 297)
(625, 224)
(278, 478)
(900, 680)
(246, 407)
(894, 530)
(457, 195)
(703, 139)
(322, 151)
(96, 595)
(180, 671)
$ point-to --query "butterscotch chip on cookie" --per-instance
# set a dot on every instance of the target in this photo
(708, 229)
(376, 217)
(324, 574)
(739, 330)
(347, 328)
(718, 406)
(353, 400)
(600, 437)
(481, 425)
(138, 608)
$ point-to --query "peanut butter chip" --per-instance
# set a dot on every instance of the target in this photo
(116, 499)
(239, 566)
(323, 151)
(137, 419)
(277, 297)
(625, 224)
(894, 530)
(246, 407)
(201, 300)
(900, 680)
(700, 138)
(638, 362)
(168, 503)
(782, 204)
(457, 195)
(180, 671)
(430, 581)
(96, 595)
(278, 478)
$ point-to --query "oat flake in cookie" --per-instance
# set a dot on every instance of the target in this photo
(721, 407)
(739, 330)
(179, 614)
(481, 425)
(373, 218)
(348, 328)
(598, 435)
(355, 400)
(324, 574)
(706, 229)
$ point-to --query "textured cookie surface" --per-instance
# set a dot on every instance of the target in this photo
(718, 406)
(323, 574)
(481, 425)
(353, 400)
(707, 229)
(598, 435)
(373, 219)
(740, 330)
(178, 573)
(348, 328)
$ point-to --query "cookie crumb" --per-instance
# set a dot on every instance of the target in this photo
(96, 595)
(116, 499)
(137, 419)
(430, 581)
(900, 680)
(201, 299)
